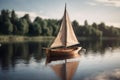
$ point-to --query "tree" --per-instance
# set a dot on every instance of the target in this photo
(22, 27)
(44, 28)
(0, 24)
(5, 14)
(95, 25)
(7, 27)
(52, 26)
(14, 20)
(38, 19)
(35, 29)
(86, 23)
(27, 17)
(14, 17)
(75, 25)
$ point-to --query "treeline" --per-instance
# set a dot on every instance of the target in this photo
(10, 24)
(95, 30)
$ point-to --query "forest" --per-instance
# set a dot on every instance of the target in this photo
(11, 24)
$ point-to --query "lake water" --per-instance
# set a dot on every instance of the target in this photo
(99, 60)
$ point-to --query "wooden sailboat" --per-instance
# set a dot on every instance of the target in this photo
(66, 41)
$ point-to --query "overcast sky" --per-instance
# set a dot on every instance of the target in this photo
(107, 11)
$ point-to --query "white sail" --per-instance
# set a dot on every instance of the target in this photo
(66, 36)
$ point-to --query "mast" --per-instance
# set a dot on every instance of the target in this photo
(65, 28)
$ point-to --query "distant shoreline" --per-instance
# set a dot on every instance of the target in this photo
(16, 38)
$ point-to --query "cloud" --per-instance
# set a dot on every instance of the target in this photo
(115, 24)
(91, 3)
(32, 15)
(112, 75)
(114, 3)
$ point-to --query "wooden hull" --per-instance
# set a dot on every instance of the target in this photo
(62, 53)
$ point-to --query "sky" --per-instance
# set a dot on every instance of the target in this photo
(107, 11)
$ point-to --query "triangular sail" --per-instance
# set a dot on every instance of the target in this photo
(66, 36)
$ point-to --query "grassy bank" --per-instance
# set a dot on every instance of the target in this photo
(17, 38)
(12, 38)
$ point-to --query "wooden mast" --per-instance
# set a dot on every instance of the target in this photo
(65, 28)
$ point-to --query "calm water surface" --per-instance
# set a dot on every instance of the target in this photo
(99, 60)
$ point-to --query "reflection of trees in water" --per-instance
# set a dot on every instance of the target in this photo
(5, 56)
(36, 50)
(14, 53)
(99, 45)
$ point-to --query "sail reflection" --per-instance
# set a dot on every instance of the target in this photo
(63, 68)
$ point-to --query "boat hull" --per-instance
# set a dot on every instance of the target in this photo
(63, 53)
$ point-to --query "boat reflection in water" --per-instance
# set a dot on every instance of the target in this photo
(64, 67)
